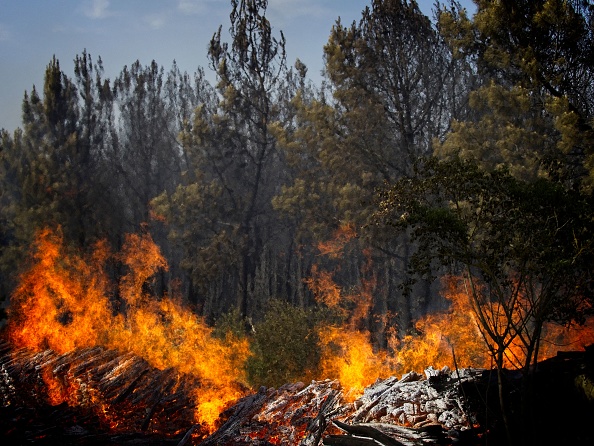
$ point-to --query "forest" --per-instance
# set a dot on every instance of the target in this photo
(441, 157)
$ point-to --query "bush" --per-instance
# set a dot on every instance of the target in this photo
(285, 347)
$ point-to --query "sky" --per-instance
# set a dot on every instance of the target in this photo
(123, 31)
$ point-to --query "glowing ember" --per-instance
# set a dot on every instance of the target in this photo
(63, 303)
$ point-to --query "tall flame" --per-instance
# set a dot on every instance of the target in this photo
(347, 353)
(450, 338)
(63, 303)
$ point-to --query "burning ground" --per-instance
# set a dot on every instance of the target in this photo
(82, 367)
(96, 396)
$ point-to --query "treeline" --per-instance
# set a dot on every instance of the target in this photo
(261, 186)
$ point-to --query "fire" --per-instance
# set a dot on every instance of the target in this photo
(334, 247)
(65, 301)
(452, 338)
(442, 337)
(347, 355)
(566, 338)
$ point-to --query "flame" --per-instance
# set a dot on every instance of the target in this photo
(63, 303)
(334, 247)
(452, 338)
(347, 355)
(449, 338)
(323, 287)
(558, 338)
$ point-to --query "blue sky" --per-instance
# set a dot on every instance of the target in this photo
(122, 31)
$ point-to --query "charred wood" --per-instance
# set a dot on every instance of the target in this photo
(122, 393)
(366, 430)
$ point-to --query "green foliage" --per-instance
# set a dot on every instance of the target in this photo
(541, 53)
(285, 346)
(529, 243)
(509, 129)
(48, 173)
(230, 323)
(221, 213)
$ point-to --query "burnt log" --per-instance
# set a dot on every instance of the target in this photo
(293, 414)
(120, 392)
(366, 430)
(385, 435)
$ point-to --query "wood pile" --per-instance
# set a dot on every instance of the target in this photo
(413, 401)
(96, 393)
(113, 391)
(97, 397)
(294, 414)
(414, 410)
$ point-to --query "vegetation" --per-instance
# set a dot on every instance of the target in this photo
(524, 249)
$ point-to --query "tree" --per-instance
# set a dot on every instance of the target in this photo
(524, 248)
(393, 87)
(147, 158)
(52, 169)
(508, 128)
(541, 51)
(74, 167)
(248, 74)
(235, 166)
(400, 75)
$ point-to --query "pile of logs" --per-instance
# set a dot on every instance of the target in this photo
(115, 392)
(96, 393)
(414, 410)
(96, 396)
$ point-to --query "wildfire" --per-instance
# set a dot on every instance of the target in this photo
(66, 301)
(452, 338)
(449, 338)
(347, 355)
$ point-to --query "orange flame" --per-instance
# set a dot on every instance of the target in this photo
(334, 247)
(450, 338)
(441, 337)
(454, 334)
(347, 355)
(63, 303)
(324, 288)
